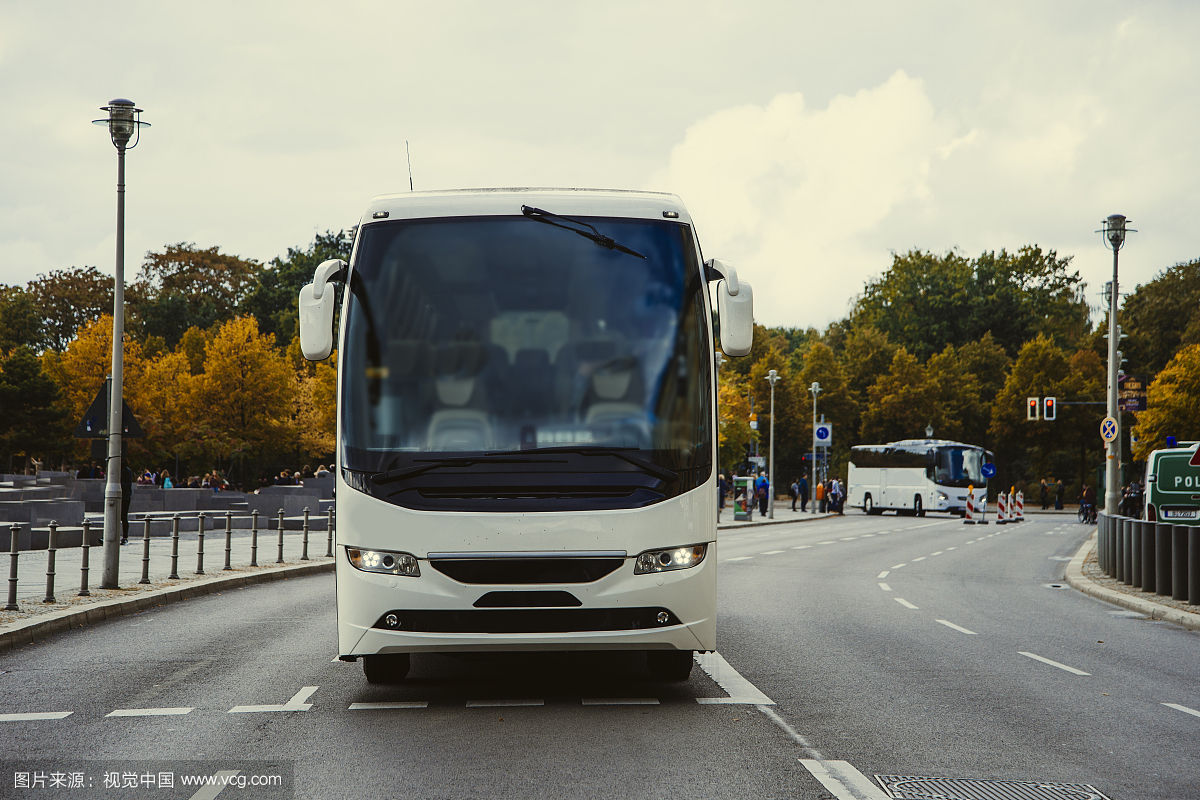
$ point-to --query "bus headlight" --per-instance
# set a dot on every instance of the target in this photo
(665, 560)
(384, 561)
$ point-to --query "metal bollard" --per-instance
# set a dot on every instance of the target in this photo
(1122, 538)
(1101, 541)
(1179, 550)
(1193, 559)
(174, 547)
(280, 560)
(1134, 573)
(254, 538)
(51, 549)
(200, 546)
(15, 530)
(85, 548)
(304, 537)
(1162, 558)
(1148, 558)
(1114, 528)
(329, 531)
(228, 538)
(145, 551)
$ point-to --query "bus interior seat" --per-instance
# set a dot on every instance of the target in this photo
(459, 424)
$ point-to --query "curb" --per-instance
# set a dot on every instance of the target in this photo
(24, 632)
(1077, 580)
(731, 526)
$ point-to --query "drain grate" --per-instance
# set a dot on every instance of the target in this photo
(911, 787)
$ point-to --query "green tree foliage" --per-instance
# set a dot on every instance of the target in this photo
(899, 403)
(35, 422)
(186, 286)
(20, 320)
(272, 298)
(67, 300)
(1173, 404)
(925, 302)
(1160, 317)
(835, 401)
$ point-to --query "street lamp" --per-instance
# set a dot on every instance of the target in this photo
(812, 487)
(772, 378)
(124, 123)
(1113, 229)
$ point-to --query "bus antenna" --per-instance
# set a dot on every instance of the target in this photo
(409, 155)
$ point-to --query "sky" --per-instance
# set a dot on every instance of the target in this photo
(809, 141)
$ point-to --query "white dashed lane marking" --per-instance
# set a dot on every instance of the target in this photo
(905, 603)
(1052, 663)
(388, 706)
(35, 715)
(958, 628)
(297, 703)
(149, 712)
(1184, 709)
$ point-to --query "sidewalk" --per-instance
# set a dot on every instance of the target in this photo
(36, 618)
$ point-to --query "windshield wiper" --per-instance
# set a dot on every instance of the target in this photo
(400, 473)
(539, 215)
(526, 457)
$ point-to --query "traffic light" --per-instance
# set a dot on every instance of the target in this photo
(1049, 408)
(1031, 406)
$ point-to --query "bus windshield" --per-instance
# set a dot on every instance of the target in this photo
(959, 466)
(494, 363)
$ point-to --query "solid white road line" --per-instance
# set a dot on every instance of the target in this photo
(388, 706)
(843, 780)
(620, 701)
(1184, 709)
(1044, 660)
(884, 586)
(737, 687)
(295, 704)
(35, 715)
(958, 628)
(905, 603)
(149, 712)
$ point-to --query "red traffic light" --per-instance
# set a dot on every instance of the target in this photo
(1049, 408)
(1031, 406)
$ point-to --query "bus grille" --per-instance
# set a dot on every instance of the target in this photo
(526, 570)
(557, 620)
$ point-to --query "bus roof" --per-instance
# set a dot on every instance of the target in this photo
(500, 202)
(916, 445)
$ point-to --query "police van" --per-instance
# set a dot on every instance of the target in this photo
(1173, 485)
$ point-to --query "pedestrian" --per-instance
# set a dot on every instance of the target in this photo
(722, 487)
(819, 496)
(794, 492)
(762, 489)
(126, 497)
(838, 497)
(164, 480)
(1045, 495)
(803, 494)
(1058, 495)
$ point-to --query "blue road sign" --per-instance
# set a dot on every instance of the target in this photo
(988, 470)
(1108, 429)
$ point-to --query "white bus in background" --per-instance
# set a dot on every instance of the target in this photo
(916, 475)
(526, 439)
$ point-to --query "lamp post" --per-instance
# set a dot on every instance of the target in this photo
(812, 487)
(124, 123)
(1113, 230)
(772, 378)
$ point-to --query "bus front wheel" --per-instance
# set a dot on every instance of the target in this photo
(669, 665)
(868, 505)
(918, 509)
(386, 668)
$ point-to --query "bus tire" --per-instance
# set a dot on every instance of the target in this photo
(918, 509)
(868, 505)
(386, 668)
(669, 665)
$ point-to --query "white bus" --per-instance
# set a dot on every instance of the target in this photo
(526, 440)
(916, 475)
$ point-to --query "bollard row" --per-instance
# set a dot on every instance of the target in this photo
(201, 518)
(1152, 556)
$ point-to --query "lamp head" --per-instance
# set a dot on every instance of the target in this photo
(123, 122)
(1114, 230)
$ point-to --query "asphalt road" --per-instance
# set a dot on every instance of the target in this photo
(850, 648)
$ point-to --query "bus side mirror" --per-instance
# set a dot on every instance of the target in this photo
(735, 310)
(316, 311)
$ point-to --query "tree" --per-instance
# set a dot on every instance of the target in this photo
(20, 320)
(34, 422)
(1160, 316)
(244, 400)
(81, 370)
(899, 402)
(186, 286)
(733, 428)
(1173, 404)
(835, 402)
(272, 298)
(68, 299)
